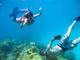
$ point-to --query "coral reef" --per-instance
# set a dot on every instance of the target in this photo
(32, 53)
(6, 47)
(17, 50)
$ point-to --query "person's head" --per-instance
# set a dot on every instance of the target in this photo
(28, 15)
(42, 51)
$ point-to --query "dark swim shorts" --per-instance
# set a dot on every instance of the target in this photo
(67, 45)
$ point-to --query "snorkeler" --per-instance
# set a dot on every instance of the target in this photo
(27, 18)
(52, 52)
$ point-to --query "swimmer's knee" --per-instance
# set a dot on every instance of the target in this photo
(72, 45)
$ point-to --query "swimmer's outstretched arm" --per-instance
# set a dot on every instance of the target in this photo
(24, 10)
(50, 43)
(38, 14)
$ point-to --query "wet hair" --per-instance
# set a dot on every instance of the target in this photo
(28, 15)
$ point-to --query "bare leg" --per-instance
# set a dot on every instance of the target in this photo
(65, 38)
(70, 28)
(67, 35)
(76, 41)
(72, 25)
(16, 19)
(73, 44)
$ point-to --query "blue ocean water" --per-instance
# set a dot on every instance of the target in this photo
(57, 16)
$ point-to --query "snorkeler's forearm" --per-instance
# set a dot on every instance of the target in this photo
(38, 14)
(58, 37)
(50, 43)
(24, 10)
(22, 25)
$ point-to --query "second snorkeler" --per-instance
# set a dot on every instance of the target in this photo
(27, 18)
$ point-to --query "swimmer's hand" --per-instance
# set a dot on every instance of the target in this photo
(40, 11)
(58, 37)
(21, 25)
